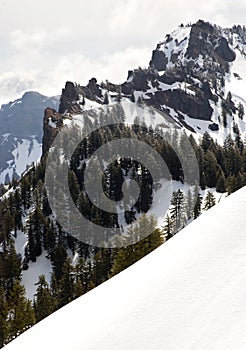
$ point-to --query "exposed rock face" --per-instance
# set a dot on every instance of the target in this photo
(92, 91)
(139, 81)
(224, 51)
(68, 98)
(52, 123)
(193, 106)
(207, 40)
(159, 60)
(198, 41)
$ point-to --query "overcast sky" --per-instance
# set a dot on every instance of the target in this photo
(45, 43)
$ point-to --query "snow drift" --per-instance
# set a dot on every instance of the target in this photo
(188, 294)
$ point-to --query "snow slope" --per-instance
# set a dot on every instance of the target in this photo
(24, 154)
(188, 294)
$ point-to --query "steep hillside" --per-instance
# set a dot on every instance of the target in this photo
(187, 294)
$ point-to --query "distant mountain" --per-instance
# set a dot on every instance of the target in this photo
(21, 132)
(183, 295)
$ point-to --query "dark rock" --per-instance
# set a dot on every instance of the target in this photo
(50, 132)
(213, 127)
(68, 97)
(224, 51)
(159, 60)
(196, 108)
(93, 91)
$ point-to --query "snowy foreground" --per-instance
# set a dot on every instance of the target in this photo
(188, 294)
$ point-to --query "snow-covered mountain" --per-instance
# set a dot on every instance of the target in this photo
(187, 294)
(21, 133)
(196, 76)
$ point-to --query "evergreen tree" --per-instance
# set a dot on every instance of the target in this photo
(66, 284)
(11, 266)
(119, 95)
(221, 183)
(106, 100)
(20, 314)
(210, 166)
(198, 202)
(177, 210)
(3, 317)
(168, 228)
(240, 110)
(132, 98)
(189, 205)
(209, 201)
(58, 258)
(44, 302)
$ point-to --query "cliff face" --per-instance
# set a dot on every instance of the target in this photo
(52, 123)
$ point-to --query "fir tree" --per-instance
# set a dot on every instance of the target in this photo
(44, 301)
(3, 317)
(132, 98)
(209, 201)
(168, 228)
(20, 314)
(240, 110)
(177, 210)
(197, 202)
(66, 284)
(106, 100)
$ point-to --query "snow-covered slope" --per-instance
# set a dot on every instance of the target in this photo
(187, 294)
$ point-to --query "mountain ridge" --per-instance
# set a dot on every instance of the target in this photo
(199, 83)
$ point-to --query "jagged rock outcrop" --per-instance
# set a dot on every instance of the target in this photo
(68, 99)
(52, 123)
(159, 60)
(224, 51)
(207, 40)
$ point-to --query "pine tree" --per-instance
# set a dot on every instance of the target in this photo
(240, 110)
(58, 258)
(221, 183)
(198, 202)
(210, 166)
(12, 267)
(3, 317)
(44, 301)
(66, 284)
(132, 98)
(189, 205)
(209, 201)
(119, 95)
(21, 314)
(106, 100)
(177, 210)
(168, 228)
